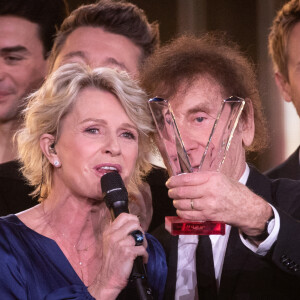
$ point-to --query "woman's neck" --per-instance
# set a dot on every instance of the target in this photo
(77, 228)
(77, 221)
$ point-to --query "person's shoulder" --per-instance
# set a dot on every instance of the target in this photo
(275, 183)
(275, 191)
(11, 170)
(15, 193)
(290, 168)
(287, 185)
(10, 223)
(10, 230)
(286, 194)
(157, 176)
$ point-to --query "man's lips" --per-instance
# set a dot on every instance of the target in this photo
(4, 93)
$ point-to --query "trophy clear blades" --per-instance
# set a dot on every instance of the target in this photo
(177, 161)
(221, 134)
(170, 143)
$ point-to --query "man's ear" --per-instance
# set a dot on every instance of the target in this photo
(248, 125)
(283, 86)
(47, 144)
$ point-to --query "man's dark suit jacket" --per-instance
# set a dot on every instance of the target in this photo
(14, 192)
(161, 203)
(246, 275)
(288, 169)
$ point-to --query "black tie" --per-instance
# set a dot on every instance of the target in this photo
(206, 281)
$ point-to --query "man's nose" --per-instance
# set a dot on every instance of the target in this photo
(189, 141)
(3, 70)
(2, 76)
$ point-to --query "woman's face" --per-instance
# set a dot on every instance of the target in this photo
(96, 137)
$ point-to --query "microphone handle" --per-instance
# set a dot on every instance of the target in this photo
(138, 276)
(138, 273)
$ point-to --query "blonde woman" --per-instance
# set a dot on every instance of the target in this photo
(81, 124)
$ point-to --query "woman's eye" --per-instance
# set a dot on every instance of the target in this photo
(129, 135)
(92, 130)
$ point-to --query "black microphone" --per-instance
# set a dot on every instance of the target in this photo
(115, 196)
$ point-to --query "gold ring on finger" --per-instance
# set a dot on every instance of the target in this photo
(192, 204)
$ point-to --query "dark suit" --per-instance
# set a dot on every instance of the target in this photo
(14, 192)
(288, 169)
(246, 275)
(162, 204)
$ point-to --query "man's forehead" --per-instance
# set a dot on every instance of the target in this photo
(201, 94)
(18, 26)
(87, 58)
(19, 35)
(97, 47)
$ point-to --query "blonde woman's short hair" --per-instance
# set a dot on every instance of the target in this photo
(56, 97)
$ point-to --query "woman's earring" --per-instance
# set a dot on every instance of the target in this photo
(56, 163)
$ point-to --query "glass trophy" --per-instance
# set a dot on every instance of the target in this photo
(176, 159)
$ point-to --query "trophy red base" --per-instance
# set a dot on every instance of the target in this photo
(178, 226)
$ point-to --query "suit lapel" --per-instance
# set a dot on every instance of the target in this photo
(172, 256)
(234, 261)
(170, 245)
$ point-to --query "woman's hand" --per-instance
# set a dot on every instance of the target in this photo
(119, 253)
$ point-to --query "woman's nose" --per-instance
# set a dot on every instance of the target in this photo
(112, 146)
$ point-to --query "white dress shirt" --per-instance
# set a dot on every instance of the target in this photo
(186, 282)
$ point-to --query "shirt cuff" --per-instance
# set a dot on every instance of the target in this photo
(266, 245)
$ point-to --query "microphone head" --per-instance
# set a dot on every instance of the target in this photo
(111, 181)
(113, 189)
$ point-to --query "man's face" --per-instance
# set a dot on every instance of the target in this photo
(98, 48)
(22, 64)
(196, 109)
(290, 89)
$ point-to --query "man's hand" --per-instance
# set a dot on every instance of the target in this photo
(212, 196)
